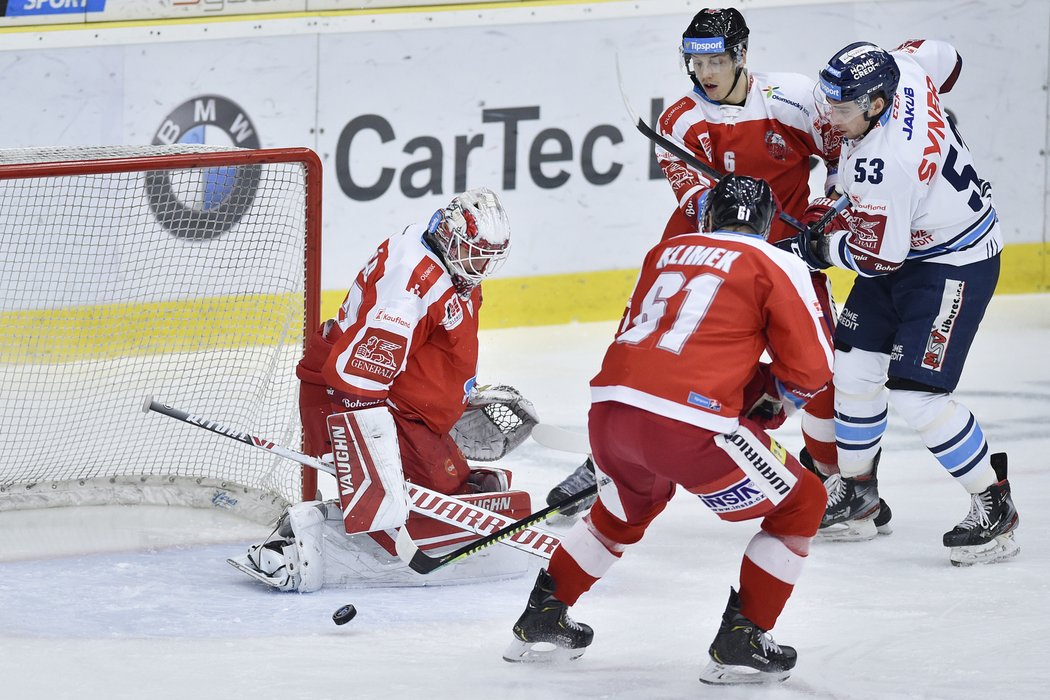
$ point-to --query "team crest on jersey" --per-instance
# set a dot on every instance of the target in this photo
(453, 313)
(776, 145)
(378, 355)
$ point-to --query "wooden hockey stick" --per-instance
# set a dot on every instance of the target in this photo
(439, 506)
(691, 159)
(424, 563)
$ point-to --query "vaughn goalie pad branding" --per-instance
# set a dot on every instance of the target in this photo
(371, 485)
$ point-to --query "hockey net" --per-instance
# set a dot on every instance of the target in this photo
(188, 273)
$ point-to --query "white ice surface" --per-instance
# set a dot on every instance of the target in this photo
(122, 602)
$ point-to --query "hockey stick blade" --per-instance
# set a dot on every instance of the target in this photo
(560, 439)
(424, 563)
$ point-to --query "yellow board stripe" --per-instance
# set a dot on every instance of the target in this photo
(103, 331)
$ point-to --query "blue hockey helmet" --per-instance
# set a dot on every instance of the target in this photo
(858, 73)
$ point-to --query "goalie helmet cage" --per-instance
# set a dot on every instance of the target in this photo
(190, 273)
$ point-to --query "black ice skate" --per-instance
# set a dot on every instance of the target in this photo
(853, 506)
(986, 535)
(581, 478)
(545, 633)
(745, 653)
(881, 520)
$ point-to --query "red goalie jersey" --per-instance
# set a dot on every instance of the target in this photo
(704, 309)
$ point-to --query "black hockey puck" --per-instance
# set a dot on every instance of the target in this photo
(344, 614)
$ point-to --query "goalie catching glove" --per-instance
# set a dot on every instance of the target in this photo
(497, 420)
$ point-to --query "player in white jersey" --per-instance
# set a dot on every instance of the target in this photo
(923, 236)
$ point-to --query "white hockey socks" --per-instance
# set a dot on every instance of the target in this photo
(951, 433)
(861, 402)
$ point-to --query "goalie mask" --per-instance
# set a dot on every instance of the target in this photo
(472, 237)
(738, 200)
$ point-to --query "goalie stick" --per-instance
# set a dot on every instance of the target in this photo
(689, 158)
(424, 563)
(442, 507)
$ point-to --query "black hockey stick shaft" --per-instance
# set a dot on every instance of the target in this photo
(219, 429)
(691, 159)
(424, 563)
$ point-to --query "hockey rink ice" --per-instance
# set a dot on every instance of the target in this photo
(121, 602)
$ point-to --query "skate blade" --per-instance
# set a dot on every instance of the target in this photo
(243, 564)
(719, 674)
(850, 531)
(1001, 548)
(519, 652)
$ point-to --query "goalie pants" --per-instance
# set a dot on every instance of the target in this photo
(429, 459)
(740, 476)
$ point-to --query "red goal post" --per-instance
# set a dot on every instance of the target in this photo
(186, 272)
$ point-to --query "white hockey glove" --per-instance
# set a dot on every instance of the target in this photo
(496, 421)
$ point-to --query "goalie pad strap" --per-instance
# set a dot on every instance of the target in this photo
(372, 491)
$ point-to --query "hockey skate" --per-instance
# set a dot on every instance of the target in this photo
(853, 507)
(583, 477)
(986, 534)
(545, 633)
(844, 533)
(742, 652)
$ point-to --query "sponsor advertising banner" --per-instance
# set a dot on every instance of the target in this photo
(22, 12)
(406, 113)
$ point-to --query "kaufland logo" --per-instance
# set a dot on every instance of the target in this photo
(713, 45)
(29, 8)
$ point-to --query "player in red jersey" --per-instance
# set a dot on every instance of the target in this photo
(765, 125)
(399, 363)
(683, 400)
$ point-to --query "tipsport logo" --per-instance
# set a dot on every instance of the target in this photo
(35, 8)
(204, 203)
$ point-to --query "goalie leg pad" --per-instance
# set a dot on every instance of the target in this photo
(367, 457)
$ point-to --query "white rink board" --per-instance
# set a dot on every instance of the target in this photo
(425, 81)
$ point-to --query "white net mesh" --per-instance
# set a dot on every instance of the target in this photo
(185, 284)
